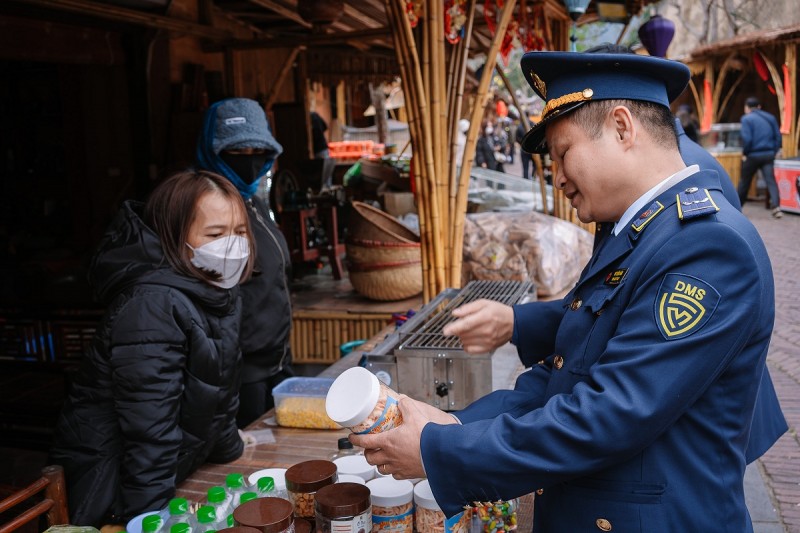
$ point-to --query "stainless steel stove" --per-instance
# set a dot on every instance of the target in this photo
(422, 362)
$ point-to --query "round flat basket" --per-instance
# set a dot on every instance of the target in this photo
(371, 224)
(387, 281)
(367, 252)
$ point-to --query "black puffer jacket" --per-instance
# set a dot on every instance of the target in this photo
(157, 393)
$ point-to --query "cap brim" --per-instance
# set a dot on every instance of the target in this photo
(534, 141)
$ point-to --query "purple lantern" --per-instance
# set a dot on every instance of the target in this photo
(656, 34)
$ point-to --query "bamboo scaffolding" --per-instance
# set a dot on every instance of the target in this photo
(457, 235)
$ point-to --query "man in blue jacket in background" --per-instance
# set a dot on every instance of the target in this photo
(637, 413)
(761, 142)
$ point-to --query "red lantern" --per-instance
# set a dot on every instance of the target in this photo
(656, 34)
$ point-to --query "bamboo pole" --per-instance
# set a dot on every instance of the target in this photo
(457, 236)
(403, 37)
(427, 159)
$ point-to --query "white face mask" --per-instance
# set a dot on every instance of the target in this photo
(489, 130)
(226, 256)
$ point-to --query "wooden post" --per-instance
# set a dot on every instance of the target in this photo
(56, 491)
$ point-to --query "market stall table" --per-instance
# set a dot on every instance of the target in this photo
(285, 447)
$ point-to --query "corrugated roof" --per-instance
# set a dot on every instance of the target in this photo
(748, 40)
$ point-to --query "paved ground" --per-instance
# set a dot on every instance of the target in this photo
(780, 467)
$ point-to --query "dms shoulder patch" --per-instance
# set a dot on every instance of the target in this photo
(683, 305)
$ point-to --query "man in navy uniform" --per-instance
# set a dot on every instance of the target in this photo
(637, 415)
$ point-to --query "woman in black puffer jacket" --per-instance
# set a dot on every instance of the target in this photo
(157, 392)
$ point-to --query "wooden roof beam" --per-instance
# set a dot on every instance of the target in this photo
(131, 16)
(311, 40)
(290, 14)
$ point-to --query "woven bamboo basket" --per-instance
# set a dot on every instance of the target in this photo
(387, 281)
(370, 224)
(361, 251)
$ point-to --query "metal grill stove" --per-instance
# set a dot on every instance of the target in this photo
(422, 362)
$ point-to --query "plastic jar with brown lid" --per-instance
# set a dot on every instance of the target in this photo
(302, 525)
(304, 479)
(238, 529)
(268, 515)
(343, 508)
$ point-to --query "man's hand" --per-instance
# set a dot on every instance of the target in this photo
(397, 451)
(482, 326)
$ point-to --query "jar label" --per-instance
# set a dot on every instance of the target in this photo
(387, 420)
(399, 522)
(459, 523)
(358, 524)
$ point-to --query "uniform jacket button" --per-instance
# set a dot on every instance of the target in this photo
(558, 362)
(603, 524)
(576, 304)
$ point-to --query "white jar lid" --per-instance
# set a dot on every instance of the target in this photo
(350, 478)
(352, 396)
(355, 465)
(277, 474)
(389, 492)
(423, 496)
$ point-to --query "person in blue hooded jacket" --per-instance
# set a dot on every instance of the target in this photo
(236, 142)
(637, 412)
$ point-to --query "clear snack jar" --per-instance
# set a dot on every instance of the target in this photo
(392, 505)
(355, 465)
(429, 516)
(303, 480)
(267, 515)
(361, 402)
(343, 508)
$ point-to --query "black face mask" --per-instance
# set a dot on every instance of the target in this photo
(246, 166)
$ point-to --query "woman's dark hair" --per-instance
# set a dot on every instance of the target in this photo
(172, 208)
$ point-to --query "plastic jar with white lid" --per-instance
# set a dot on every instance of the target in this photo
(429, 516)
(392, 505)
(360, 401)
(303, 480)
(343, 508)
(355, 465)
(350, 478)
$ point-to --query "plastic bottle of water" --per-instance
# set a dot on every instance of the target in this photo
(236, 487)
(178, 509)
(266, 488)
(220, 500)
(152, 523)
(181, 527)
(247, 496)
(206, 520)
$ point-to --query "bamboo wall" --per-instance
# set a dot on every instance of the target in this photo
(317, 335)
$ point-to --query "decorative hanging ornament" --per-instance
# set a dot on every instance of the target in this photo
(490, 8)
(413, 11)
(656, 34)
(455, 16)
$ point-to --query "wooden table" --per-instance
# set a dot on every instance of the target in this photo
(293, 446)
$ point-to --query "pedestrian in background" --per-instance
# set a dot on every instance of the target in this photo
(761, 143)
(237, 143)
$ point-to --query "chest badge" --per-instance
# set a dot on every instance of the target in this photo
(615, 277)
(683, 305)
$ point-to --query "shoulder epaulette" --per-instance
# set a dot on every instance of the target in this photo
(694, 202)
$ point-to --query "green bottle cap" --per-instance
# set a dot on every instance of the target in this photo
(216, 495)
(247, 496)
(180, 528)
(265, 484)
(178, 506)
(151, 523)
(206, 514)
(234, 480)
(230, 520)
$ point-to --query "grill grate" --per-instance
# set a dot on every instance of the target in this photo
(429, 334)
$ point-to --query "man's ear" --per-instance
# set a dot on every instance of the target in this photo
(625, 128)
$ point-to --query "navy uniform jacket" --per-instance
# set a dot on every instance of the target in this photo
(638, 416)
